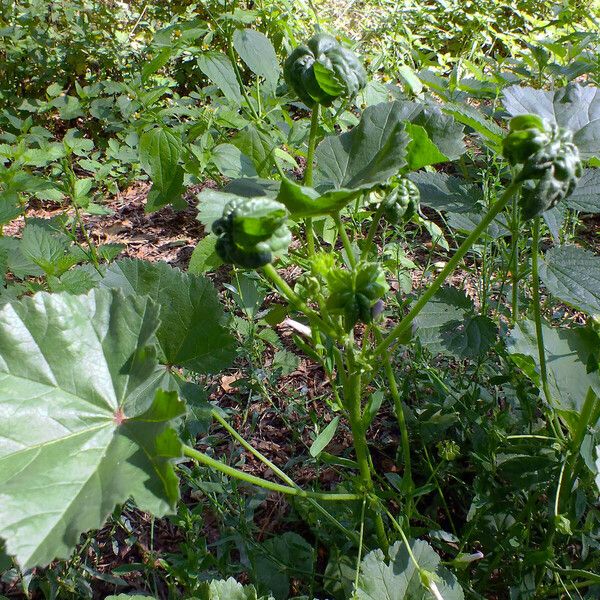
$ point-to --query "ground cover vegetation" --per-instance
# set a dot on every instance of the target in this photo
(363, 361)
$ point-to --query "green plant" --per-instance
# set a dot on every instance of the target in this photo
(102, 391)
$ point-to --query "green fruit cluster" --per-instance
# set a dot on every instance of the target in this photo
(401, 201)
(550, 159)
(250, 231)
(356, 293)
(323, 70)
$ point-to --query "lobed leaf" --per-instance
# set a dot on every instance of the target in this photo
(190, 334)
(365, 156)
(399, 579)
(83, 426)
(573, 107)
(572, 274)
(567, 354)
(447, 325)
(586, 195)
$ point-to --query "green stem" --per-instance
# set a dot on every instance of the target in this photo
(405, 442)
(585, 418)
(368, 242)
(308, 174)
(515, 259)
(293, 298)
(345, 240)
(539, 333)
(406, 322)
(239, 79)
(91, 246)
(264, 483)
(312, 144)
(236, 436)
(352, 397)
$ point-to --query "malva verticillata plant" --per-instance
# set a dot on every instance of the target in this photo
(94, 387)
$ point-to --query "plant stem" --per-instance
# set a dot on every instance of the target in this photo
(239, 79)
(264, 483)
(236, 436)
(435, 285)
(352, 398)
(389, 372)
(515, 260)
(368, 242)
(345, 240)
(308, 174)
(92, 248)
(312, 144)
(293, 298)
(539, 333)
(585, 418)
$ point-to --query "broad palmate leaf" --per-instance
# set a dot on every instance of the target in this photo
(366, 156)
(449, 325)
(568, 353)
(586, 195)
(572, 274)
(573, 107)
(398, 578)
(227, 589)
(191, 333)
(82, 424)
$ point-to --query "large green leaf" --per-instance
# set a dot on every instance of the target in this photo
(421, 151)
(572, 274)
(82, 425)
(448, 325)
(366, 156)
(204, 257)
(567, 355)
(160, 151)
(398, 578)
(474, 118)
(573, 107)
(462, 202)
(442, 129)
(445, 193)
(190, 334)
(586, 195)
(47, 248)
(218, 68)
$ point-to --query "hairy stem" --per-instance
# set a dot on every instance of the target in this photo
(236, 436)
(405, 442)
(368, 242)
(345, 240)
(312, 144)
(515, 260)
(352, 398)
(204, 459)
(539, 333)
(308, 174)
(435, 285)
